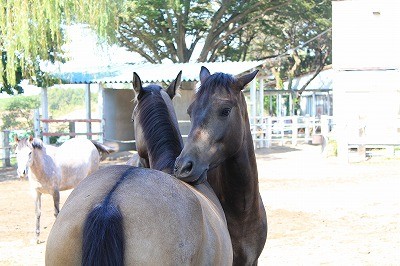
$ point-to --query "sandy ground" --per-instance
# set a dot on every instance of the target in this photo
(320, 211)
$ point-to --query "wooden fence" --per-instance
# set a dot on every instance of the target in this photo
(266, 131)
(43, 131)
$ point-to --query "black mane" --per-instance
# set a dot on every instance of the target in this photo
(163, 140)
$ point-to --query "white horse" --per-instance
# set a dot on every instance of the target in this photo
(53, 169)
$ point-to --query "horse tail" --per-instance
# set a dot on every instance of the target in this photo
(103, 234)
(102, 149)
(103, 237)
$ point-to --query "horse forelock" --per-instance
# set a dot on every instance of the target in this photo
(214, 83)
(163, 139)
(37, 144)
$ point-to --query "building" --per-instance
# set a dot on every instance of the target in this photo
(366, 36)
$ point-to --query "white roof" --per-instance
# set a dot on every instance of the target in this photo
(152, 73)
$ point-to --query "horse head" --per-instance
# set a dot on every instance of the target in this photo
(156, 128)
(218, 114)
(23, 152)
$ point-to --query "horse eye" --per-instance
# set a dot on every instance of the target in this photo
(226, 111)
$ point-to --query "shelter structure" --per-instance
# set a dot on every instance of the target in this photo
(116, 95)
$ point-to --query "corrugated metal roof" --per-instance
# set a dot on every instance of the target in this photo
(152, 73)
(323, 81)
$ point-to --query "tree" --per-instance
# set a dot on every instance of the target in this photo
(298, 39)
(18, 113)
(159, 30)
(31, 31)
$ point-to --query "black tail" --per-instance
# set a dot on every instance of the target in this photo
(103, 237)
(103, 149)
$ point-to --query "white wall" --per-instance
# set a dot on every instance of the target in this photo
(366, 37)
(366, 34)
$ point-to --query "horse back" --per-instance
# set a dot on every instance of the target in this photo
(77, 158)
(161, 217)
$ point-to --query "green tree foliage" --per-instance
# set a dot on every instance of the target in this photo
(18, 113)
(31, 31)
(298, 38)
(62, 101)
(171, 29)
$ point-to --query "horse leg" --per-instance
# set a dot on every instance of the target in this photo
(56, 200)
(38, 208)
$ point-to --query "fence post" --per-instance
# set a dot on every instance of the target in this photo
(5, 145)
(71, 127)
(36, 123)
(268, 131)
(307, 129)
(282, 128)
(294, 130)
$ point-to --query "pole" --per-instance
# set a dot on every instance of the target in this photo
(88, 110)
(45, 114)
(5, 148)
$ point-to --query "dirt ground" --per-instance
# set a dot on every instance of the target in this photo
(321, 211)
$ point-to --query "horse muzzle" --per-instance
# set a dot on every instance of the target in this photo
(186, 170)
(22, 173)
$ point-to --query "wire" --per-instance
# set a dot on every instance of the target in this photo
(298, 46)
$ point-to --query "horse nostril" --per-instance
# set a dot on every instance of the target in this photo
(176, 167)
(187, 168)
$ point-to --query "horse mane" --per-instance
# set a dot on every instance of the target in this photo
(162, 138)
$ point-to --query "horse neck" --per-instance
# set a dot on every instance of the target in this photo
(42, 165)
(235, 180)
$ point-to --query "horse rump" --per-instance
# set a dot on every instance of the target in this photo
(103, 237)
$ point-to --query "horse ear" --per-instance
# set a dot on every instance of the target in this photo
(171, 90)
(137, 85)
(204, 74)
(244, 80)
(16, 139)
(30, 138)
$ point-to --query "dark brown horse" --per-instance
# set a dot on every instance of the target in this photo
(220, 148)
(123, 215)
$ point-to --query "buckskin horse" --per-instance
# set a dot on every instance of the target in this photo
(124, 215)
(220, 149)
